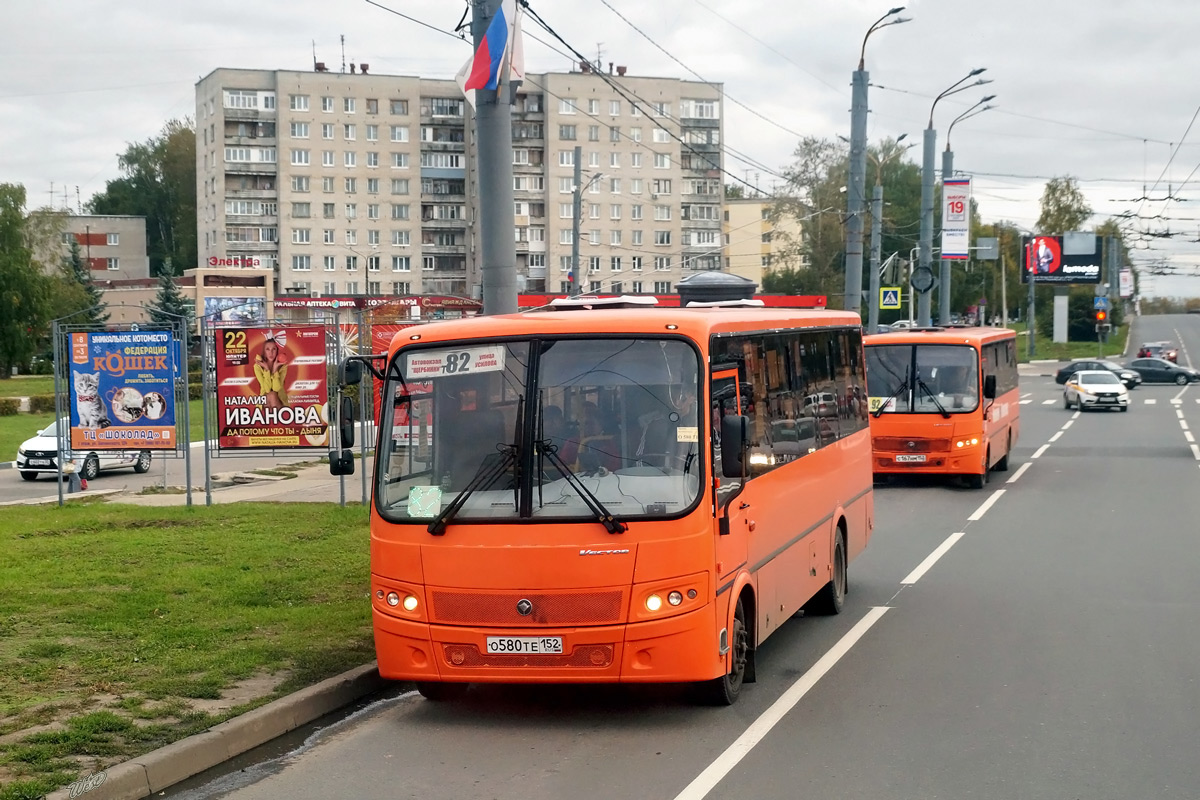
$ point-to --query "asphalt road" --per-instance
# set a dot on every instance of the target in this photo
(1036, 639)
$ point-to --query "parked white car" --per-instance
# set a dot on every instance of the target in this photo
(1095, 389)
(38, 456)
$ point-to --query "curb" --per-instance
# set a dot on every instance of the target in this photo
(155, 771)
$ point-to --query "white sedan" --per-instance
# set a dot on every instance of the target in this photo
(1095, 389)
(38, 456)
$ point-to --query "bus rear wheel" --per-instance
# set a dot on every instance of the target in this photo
(724, 691)
(1002, 464)
(832, 597)
(441, 692)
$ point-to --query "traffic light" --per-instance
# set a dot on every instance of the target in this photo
(1101, 316)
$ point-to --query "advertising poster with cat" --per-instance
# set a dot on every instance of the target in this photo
(272, 387)
(122, 390)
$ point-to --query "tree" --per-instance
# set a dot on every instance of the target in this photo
(158, 183)
(78, 276)
(1064, 208)
(734, 191)
(169, 303)
(24, 290)
(811, 262)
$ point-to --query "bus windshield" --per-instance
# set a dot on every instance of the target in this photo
(541, 429)
(923, 378)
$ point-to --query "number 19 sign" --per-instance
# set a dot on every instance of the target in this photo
(956, 218)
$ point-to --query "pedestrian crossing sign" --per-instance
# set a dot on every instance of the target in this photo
(889, 297)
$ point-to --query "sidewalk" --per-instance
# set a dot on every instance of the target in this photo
(311, 485)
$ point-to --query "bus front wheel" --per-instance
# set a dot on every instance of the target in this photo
(441, 692)
(724, 691)
(981, 480)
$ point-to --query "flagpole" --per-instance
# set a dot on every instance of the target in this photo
(493, 125)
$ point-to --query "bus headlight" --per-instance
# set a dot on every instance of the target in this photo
(974, 440)
(393, 599)
(653, 603)
(410, 603)
(675, 598)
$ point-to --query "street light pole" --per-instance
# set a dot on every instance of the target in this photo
(944, 296)
(923, 276)
(852, 299)
(877, 235)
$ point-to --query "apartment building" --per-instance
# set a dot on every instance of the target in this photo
(350, 184)
(754, 243)
(112, 245)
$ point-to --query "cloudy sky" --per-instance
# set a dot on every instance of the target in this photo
(1102, 90)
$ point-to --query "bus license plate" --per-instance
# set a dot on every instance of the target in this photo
(518, 645)
(908, 458)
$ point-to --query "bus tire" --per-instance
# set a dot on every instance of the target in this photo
(832, 597)
(981, 480)
(725, 690)
(1002, 464)
(441, 692)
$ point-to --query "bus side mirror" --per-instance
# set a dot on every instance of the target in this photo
(733, 445)
(341, 463)
(346, 422)
(351, 372)
(989, 387)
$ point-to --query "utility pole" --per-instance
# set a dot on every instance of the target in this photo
(923, 277)
(576, 210)
(1032, 318)
(944, 274)
(1003, 289)
(876, 255)
(493, 126)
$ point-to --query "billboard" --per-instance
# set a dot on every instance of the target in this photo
(956, 218)
(1126, 286)
(122, 394)
(235, 309)
(1052, 262)
(272, 387)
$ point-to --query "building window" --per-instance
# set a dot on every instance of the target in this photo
(566, 132)
(400, 185)
(401, 263)
(662, 213)
(614, 211)
(661, 186)
(327, 158)
(327, 184)
(635, 211)
(614, 263)
(372, 133)
(372, 106)
(351, 263)
(327, 131)
(301, 235)
(614, 108)
(351, 210)
(637, 238)
(327, 105)
(614, 160)
(662, 263)
(330, 288)
(299, 130)
(399, 133)
(113, 263)
(398, 107)
(564, 236)
(328, 236)
(593, 133)
(399, 160)
(330, 263)
(351, 185)
(372, 185)
(594, 264)
(348, 105)
(348, 133)
(400, 287)
(351, 287)
(373, 208)
(566, 158)
(636, 287)
(445, 107)
(351, 237)
(401, 239)
(298, 102)
(662, 287)
(301, 263)
(327, 209)
(428, 263)
(662, 160)
(564, 263)
(614, 238)
(301, 210)
(662, 238)
(635, 160)
(300, 158)
(566, 105)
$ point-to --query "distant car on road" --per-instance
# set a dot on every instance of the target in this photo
(1126, 375)
(1159, 370)
(39, 456)
(1158, 350)
(1095, 389)
(902, 324)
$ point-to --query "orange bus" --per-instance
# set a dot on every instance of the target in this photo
(943, 401)
(612, 494)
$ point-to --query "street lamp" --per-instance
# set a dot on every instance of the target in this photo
(944, 297)
(858, 167)
(877, 231)
(923, 276)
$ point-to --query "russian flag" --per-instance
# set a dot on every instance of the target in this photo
(485, 66)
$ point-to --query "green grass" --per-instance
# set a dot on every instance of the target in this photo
(110, 613)
(17, 428)
(26, 385)
(1065, 351)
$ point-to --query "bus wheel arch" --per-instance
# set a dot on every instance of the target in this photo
(832, 596)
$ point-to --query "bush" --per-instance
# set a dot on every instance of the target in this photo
(40, 403)
(9, 406)
(195, 390)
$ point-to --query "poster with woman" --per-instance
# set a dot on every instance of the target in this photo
(272, 388)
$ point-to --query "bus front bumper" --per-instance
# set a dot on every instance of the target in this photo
(675, 649)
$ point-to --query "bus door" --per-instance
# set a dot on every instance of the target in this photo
(731, 548)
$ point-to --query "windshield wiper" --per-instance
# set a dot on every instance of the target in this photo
(903, 387)
(602, 514)
(932, 396)
(490, 468)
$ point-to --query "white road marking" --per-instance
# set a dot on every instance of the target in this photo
(1068, 424)
(1038, 453)
(1196, 451)
(1183, 347)
(1027, 394)
(1049, 402)
(1179, 413)
(1188, 435)
(707, 780)
(931, 559)
(1151, 401)
(1056, 436)
(1020, 471)
(1077, 414)
(1026, 402)
(983, 509)
(1179, 397)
